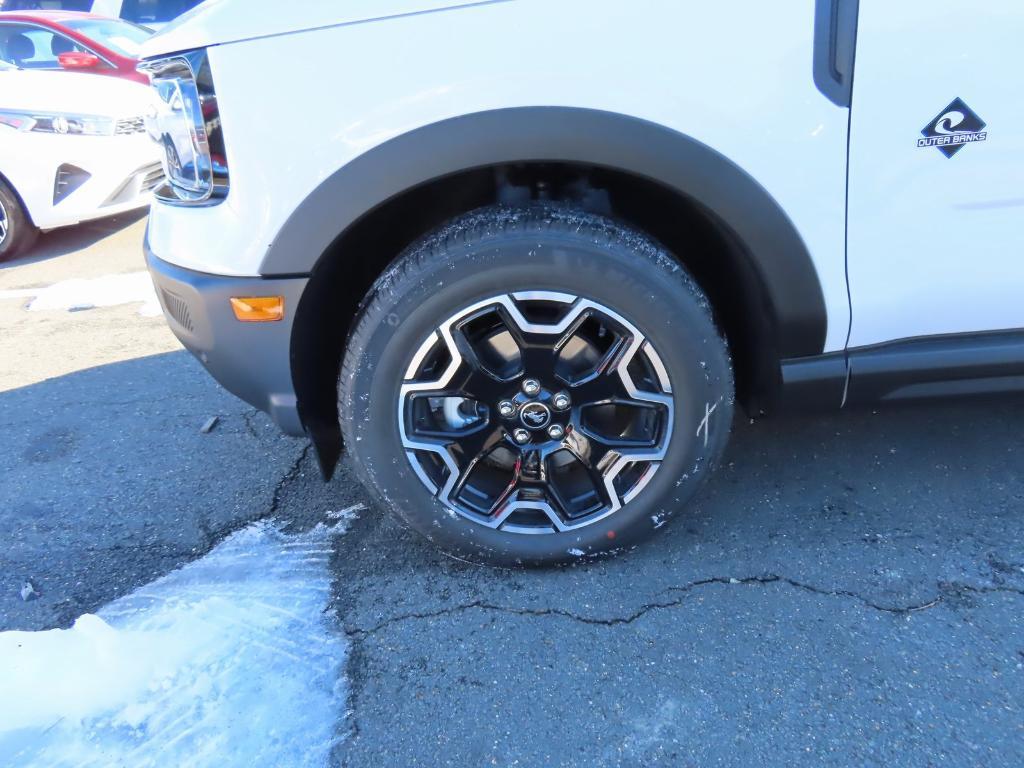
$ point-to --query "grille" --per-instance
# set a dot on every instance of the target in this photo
(130, 125)
(177, 308)
(154, 175)
(142, 181)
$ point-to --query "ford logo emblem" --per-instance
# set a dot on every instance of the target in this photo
(535, 415)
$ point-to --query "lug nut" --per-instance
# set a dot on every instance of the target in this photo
(521, 436)
(561, 401)
(555, 432)
(531, 387)
(507, 408)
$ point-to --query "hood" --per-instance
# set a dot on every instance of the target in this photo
(216, 22)
(72, 93)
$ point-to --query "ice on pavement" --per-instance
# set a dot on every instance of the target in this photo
(81, 293)
(229, 661)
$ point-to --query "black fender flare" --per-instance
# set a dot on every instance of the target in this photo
(561, 134)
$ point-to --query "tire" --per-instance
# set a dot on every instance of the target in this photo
(17, 233)
(611, 285)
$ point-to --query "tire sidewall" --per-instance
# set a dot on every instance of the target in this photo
(653, 293)
(19, 229)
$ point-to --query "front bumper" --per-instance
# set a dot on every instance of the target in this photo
(105, 175)
(251, 360)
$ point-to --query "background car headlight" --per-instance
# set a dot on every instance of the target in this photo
(47, 122)
(186, 123)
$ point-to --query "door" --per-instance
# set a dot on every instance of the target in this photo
(936, 173)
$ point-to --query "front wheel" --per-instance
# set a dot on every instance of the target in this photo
(530, 386)
(16, 230)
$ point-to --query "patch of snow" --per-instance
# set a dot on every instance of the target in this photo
(80, 293)
(576, 552)
(345, 517)
(229, 661)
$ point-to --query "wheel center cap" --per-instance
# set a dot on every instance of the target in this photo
(535, 415)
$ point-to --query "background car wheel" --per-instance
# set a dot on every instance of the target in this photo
(16, 230)
(529, 386)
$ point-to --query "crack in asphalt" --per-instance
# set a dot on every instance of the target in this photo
(287, 477)
(247, 417)
(946, 590)
(213, 535)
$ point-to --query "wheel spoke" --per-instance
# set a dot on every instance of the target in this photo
(469, 451)
(510, 490)
(600, 387)
(535, 349)
(564, 504)
(596, 457)
(472, 381)
(472, 378)
(628, 423)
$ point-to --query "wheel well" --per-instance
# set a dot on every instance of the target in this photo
(348, 268)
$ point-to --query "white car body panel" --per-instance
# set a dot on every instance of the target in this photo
(734, 76)
(57, 91)
(218, 23)
(29, 161)
(935, 243)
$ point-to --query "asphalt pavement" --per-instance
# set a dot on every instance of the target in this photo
(846, 591)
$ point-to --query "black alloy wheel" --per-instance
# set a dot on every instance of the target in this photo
(521, 412)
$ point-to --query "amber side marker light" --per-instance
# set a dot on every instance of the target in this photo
(258, 309)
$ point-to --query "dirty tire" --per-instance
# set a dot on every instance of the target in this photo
(546, 250)
(17, 233)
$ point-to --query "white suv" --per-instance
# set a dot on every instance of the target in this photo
(520, 257)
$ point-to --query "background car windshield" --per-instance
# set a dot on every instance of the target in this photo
(45, 5)
(139, 11)
(155, 11)
(119, 36)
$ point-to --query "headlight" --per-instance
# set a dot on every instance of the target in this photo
(186, 123)
(48, 122)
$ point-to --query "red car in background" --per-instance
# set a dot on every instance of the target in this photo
(80, 42)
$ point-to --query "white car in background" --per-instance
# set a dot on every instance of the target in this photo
(150, 13)
(72, 148)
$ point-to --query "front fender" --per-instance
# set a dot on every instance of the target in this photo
(576, 135)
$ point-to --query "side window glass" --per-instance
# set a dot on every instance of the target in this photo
(31, 47)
